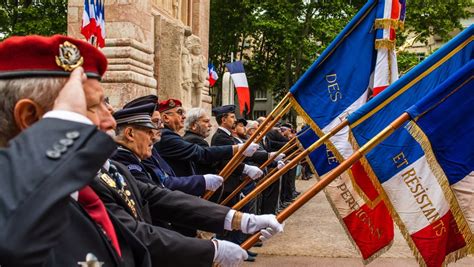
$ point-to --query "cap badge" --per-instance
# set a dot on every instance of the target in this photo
(69, 57)
(171, 103)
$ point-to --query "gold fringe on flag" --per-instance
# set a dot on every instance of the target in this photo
(401, 225)
(417, 133)
(388, 23)
(370, 203)
(333, 205)
(384, 43)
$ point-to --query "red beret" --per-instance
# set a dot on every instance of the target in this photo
(169, 104)
(39, 56)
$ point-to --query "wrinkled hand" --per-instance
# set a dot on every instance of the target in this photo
(281, 164)
(229, 254)
(277, 158)
(213, 181)
(267, 224)
(250, 150)
(72, 97)
(252, 172)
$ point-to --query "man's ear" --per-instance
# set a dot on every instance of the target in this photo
(26, 112)
(129, 134)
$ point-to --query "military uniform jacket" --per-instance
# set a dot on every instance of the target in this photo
(156, 170)
(41, 224)
(181, 155)
(167, 248)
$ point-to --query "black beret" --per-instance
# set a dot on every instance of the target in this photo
(242, 120)
(223, 110)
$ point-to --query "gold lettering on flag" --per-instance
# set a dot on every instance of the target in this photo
(333, 88)
(412, 181)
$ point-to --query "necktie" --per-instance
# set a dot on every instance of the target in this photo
(96, 209)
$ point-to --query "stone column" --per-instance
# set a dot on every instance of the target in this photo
(129, 47)
(200, 28)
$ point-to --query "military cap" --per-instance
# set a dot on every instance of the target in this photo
(140, 115)
(287, 125)
(223, 110)
(242, 120)
(169, 104)
(55, 56)
(144, 100)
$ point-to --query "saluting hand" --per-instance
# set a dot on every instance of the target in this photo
(72, 97)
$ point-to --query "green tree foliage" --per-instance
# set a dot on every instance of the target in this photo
(43, 17)
(279, 39)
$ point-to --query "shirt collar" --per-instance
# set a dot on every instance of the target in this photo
(225, 130)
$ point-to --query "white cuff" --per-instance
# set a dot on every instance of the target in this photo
(228, 220)
(214, 242)
(68, 116)
(245, 222)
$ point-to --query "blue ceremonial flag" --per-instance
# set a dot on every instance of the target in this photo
(336, 84)
(420, 206)
(443, 124)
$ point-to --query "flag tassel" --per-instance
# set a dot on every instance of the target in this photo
(287, 212)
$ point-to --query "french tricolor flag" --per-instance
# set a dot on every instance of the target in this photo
(239, 78)
(423, 206)
(212, 75)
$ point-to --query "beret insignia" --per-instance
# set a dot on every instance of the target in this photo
(69, 57)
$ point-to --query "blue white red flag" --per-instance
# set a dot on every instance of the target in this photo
(93, 22)
(86, 26)
(447, 140)
(212, 75)
(326, 94)
(421, 211)
(237, 73)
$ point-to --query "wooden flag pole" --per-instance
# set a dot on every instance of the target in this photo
(303, 199)
(257, 137)
(288, 166)
(247, 180)
(255, 134)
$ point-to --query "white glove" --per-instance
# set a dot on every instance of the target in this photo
(267, 224)
(228, 253)
(278, 158)
(213, 181)
(251, 149)
(281, 164)
(252, 172)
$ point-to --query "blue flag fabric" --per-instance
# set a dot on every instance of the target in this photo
(425, 212)
(446, 118)
(341, 74)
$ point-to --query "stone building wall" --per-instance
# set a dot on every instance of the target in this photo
(146, 48)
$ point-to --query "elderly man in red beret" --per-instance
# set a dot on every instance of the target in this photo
(49, 216)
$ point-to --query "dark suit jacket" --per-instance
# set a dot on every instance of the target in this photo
(275, 140)
(156, 170)
(201, 168)
(167, 248)
(41, 225)
(182, 155)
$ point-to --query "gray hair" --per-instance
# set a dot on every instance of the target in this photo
(252, 124)
(41, 90)
(192, 116)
